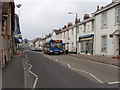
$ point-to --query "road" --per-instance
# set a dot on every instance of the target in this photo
(64, 71)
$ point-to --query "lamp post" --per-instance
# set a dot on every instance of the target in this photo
(18, 6)
(76, 18)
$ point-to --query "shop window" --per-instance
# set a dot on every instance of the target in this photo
(83, 47)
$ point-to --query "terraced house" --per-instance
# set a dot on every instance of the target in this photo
(86, 35)
(107, 30)
(6, 32)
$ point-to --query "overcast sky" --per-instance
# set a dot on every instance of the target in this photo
(38, 18)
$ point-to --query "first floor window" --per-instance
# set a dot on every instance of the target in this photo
(118, 14)
(104, 19)
(104, 44)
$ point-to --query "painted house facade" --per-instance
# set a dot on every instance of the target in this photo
(6, 33)
(107, 30)
(86, 36)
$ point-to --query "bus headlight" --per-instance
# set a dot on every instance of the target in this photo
(51, 51)
(60, 51)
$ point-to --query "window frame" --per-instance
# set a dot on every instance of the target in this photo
(104, 17)
(117, 15)
(102, 44)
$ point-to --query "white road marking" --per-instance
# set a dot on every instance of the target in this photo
(95, 77)
(25, 80)
(56, 60)
(85, 72)
(29, 70)
(114, 82)
(35, 82)
(76, 69)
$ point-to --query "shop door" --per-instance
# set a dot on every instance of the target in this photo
(87, 47)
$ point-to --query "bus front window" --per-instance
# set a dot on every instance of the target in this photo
(56, 45)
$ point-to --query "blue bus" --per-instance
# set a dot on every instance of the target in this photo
(53, 47)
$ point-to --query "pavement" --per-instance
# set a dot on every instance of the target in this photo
(0, 79)
(13, 73)
(101, 59)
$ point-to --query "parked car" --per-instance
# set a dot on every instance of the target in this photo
(32, 48)
(38, 49)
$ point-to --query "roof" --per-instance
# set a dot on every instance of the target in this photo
(57, 31)
(107, 7)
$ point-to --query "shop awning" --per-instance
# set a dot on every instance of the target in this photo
(85, 36)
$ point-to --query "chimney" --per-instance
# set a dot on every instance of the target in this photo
(70, 24)
(64, 27)
(101, 7)
(97, 8)
(86, 16)
(77, 21)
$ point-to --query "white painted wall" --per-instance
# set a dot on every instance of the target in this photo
(111, 45)
(89, 30)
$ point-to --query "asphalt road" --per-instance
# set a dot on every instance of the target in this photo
(63, 71)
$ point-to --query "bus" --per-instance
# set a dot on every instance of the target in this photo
(53, 47)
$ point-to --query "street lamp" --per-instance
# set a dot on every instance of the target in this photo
(18, 6)
(76, 17)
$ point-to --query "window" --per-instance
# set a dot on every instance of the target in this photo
(118, 14)
(104, 44)
(84, 28)
(68, 34)
(104, 20)
(88, 28)
(64, 34)
(72, 31)
(92, 25)
(78, 30)
(83, 47)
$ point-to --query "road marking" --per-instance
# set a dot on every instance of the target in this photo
(35, 82)
(29, 70)
(56, 60)
(85, 72)
(114, 82)
(76, 69)
(25, 80)
(95, 77)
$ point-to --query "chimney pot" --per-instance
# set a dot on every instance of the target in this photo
(97, 8)
(86, 16)
(70, 24)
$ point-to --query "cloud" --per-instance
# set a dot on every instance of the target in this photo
(42, 17)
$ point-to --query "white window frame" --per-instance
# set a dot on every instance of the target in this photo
(93, 25)
(84, 28)
(103, 44)
(72, 31)
(104, 22)
(117, 15)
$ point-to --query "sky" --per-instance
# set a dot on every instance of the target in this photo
(40, 17)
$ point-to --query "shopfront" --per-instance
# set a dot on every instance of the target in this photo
(86, 44)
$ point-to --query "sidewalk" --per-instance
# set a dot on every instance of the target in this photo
(0, 79)
(13, 73)
(101, 59)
